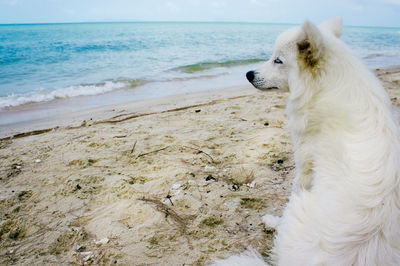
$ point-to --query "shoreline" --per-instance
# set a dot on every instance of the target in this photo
(154, 105)
(209, 80)
(76, 118)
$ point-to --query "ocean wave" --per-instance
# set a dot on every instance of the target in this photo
(373, 56)
(101, 47)
(42, 95)
(199, 77)
(209, 65)
(386, 54)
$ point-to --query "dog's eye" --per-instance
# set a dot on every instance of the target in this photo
(278, 61)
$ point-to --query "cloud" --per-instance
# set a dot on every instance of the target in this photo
(256, 2)
(218, 4)
(11, 2)
(173, 7)
(263, 2)
(394, 2)
(70, 12)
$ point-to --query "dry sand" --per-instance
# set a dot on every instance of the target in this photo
(185, 182)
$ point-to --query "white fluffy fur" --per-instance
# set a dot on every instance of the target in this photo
(248, 257)
(270, 220)
(345, 204)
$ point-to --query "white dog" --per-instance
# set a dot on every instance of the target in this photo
(345, 204)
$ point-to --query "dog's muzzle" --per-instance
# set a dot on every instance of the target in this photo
(257, 83)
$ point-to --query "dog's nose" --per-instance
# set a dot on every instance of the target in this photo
(250, 75)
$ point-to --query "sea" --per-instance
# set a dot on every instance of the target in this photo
(111, 63)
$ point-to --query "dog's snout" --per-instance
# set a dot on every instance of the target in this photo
(250, 75)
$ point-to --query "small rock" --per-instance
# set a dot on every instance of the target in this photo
(79, 248)
(252, 184)
(210, 177)
(209, 168)
(86, 253)
(102, 241)
(38, 161)
(176, 186)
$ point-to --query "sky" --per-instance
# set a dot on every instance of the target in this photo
(354, 12)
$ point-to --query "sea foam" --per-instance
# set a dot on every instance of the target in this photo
(42, 95)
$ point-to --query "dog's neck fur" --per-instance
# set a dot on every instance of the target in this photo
(304, 109)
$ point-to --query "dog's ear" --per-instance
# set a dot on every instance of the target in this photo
(309, 44)
(334, 25)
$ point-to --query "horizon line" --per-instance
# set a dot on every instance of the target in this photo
(172, 21)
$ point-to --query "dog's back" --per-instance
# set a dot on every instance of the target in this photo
(345, 205)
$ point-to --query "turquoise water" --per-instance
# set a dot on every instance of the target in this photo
(44, 62)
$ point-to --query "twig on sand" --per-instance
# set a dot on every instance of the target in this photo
(199, 152)
(169, 197)
(147, 153)
(30, 133)
(120, 137)
(168, 212)
(134, 146)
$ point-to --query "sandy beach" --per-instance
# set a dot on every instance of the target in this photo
(179, 180)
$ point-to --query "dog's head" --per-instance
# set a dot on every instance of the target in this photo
(298, 48)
